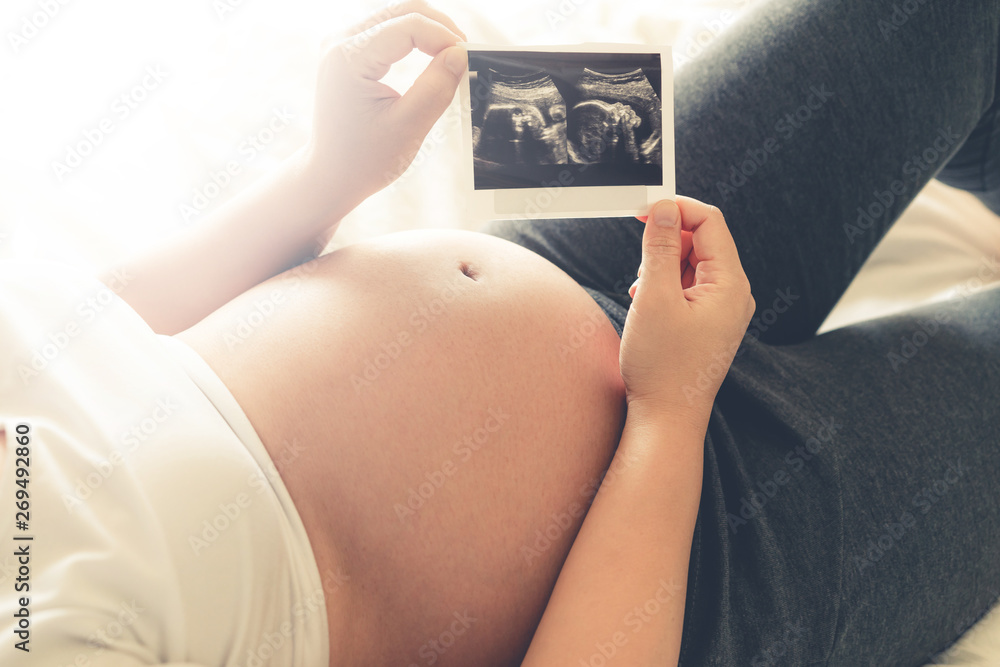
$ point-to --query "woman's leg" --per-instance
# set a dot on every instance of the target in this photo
(852, 491)
(812, 125)
(843, 550)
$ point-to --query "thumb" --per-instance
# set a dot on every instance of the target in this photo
(661, 253)
(432, 92)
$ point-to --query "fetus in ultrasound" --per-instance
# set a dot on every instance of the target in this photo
(603, 132)
(524, 121)
(618, 120)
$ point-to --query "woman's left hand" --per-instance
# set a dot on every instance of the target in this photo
(690, 309)
(365, 134)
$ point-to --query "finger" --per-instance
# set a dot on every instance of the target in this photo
(685, 235)
(687, 243)
(710, 235)
(431, 93)
(375, 51)
(687, 280)
(397, 9)
(661, 253)
(713, 249)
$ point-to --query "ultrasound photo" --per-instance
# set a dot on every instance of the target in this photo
(534, 113)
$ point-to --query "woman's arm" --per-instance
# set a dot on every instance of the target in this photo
(264, 230)
(622, 589)
(364, 135)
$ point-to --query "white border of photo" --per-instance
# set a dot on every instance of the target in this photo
(562, 199)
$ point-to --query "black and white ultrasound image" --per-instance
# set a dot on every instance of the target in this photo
(573, 118)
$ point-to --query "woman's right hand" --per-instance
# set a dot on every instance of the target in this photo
(365, 134)
(689, 312)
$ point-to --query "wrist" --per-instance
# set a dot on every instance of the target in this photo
(661, 442)
(324, 199)
(691, 420)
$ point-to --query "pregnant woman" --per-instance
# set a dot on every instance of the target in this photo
(391, 454)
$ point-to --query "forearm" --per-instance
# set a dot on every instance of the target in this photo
(262, 231)
(623, 585)
(364, 134)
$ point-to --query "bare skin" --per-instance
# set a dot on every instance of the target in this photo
(500, 355)
(365, 371)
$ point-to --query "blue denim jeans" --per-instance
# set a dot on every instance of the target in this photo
(850, 512)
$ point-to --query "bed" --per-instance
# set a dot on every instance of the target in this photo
(215, 74)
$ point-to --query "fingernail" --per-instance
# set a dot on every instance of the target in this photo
(665, 215)
(454, 60)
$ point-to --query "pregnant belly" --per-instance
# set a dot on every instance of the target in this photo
(441, 406)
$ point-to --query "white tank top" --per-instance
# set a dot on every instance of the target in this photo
(153, 527)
